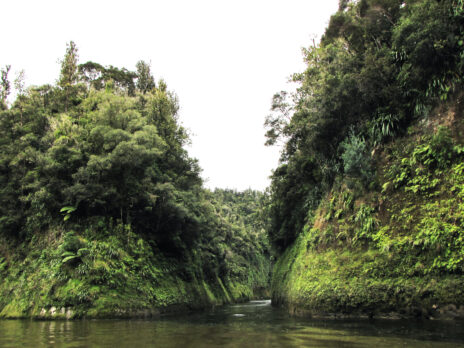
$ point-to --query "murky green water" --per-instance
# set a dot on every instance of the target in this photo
(255, 324)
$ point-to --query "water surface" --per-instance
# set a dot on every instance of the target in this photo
(254, 324)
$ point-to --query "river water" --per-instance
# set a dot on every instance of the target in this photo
(253, 324)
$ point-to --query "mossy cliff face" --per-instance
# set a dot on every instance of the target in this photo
(65, 275)
(393, 247)
(357, 283)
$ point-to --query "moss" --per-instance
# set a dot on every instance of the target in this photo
(224, 290)
(398, 249)
(356, 282)
(116, 276)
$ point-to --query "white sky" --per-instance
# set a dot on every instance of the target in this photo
(224, 59)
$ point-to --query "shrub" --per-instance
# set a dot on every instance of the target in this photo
(356, 158)
(383, 127)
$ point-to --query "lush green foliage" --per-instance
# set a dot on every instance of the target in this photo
(356, 158)
(339, 283)
(398, 247)
(99, 161)
(108, 155)
(241, 238)
(366, 205)
(381, 65)
(105, 271)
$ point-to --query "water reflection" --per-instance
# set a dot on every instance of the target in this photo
(254, 324)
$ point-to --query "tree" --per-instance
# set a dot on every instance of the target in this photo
(277, 123)
(69, 72)
(92, 73)
(145, 81)
(5, 86)
(97, 76)
(19, 84)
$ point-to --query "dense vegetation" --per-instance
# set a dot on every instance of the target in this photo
(366, 204)
(103, 213)
(102, 209)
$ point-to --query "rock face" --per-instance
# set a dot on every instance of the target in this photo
(335, 284)
(393, 249)
(132, 281)
(69, 313)
(172, 293)
(55, 313)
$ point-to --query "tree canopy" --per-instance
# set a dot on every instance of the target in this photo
(104, 146)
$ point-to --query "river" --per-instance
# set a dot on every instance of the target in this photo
(253, 324)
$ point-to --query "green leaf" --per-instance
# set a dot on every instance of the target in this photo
(68, 209)
(68, 258)
(385, 186)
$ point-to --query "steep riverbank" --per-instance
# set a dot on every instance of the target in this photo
(392, 250)
(67, 275)
(367, 202)
(360, 283)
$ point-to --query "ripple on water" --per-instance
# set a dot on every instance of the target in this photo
(254, 324)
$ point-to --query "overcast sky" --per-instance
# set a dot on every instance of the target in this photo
(224, 59)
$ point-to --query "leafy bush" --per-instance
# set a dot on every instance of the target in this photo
(366, 222)
(438, 152)
(383, 127)
(356, 158)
